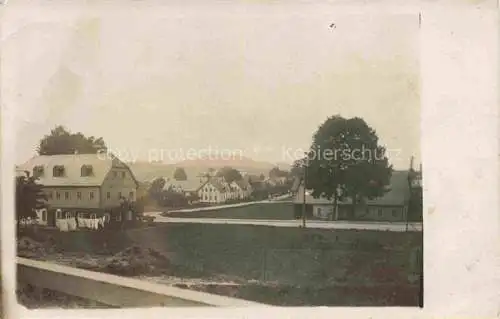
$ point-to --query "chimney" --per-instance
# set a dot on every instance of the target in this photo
(411, 163)
(420, 168)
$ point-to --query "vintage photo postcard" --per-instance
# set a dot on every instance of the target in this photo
(219, 155)
(183, 157)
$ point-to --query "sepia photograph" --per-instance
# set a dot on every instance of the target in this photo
(227, 155)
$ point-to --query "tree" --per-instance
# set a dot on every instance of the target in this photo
(62, 141)
(29, 197)
(346, 161)
(156, 188)
(180, 174)
(230, 174)
(297, 169)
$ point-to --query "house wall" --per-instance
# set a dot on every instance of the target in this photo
(43, 216)
(323, 211)
(373, 213)
(118, 182)
(68, 197)
(209, 194)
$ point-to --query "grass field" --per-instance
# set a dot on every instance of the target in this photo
(272, 211)
(290, 266)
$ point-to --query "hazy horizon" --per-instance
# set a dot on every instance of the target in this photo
(251, 78)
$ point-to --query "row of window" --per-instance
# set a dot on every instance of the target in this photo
(60, 171)
(67, 195)
(380, 212)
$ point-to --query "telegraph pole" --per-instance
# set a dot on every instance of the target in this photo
(304, 193)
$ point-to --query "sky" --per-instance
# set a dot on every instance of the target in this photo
(254, 78)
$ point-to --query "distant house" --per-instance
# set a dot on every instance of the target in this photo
(83, 185)
(276, 181)
(214, 191)
(295, 185)
(244, 188)
(188, 188)
(392, 206)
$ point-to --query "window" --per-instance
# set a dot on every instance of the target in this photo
(108, 195)
(38, 171)
(69, 215)
(58, 195)
(49, 194)
(380, 212)
(87, 170)
(119, 195)
(115, 174)
(79, 195)
(58, 171)
(131, 195)
(58, 214)
(123, 174)
(44, 215)
(394, 213)
(91, 195)
(66, 195)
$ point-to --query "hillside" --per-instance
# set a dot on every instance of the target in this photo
(145, 171)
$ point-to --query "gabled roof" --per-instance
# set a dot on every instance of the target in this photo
(397, 195)
(101, 165)
(243, 184)
(217, 184)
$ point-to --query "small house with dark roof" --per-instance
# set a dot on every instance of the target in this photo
(87, 185)
(392, 206)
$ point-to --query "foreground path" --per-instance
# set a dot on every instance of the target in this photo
(200, 209)
(382, 226)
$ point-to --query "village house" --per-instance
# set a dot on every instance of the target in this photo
(83, 186)
(392, 206)
(189, 188)
(242, 188)
(215, 191)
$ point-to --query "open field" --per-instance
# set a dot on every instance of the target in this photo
(269, 211)
(281, 266)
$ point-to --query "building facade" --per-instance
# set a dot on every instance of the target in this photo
(85, 185)
(391, 207)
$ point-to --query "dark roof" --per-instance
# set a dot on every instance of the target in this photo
(397, 195)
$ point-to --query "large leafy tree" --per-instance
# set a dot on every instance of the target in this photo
(346, 161)
(62, 141)
(180, 174)
(29, 196)
(230, 174)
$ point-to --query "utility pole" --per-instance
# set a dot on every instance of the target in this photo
(304, 193)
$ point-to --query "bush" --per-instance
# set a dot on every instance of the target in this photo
(137, 260)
